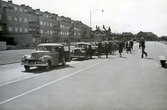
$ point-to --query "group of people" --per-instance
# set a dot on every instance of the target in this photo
(129, 47)
(109, 47)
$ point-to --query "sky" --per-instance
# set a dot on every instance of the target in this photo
(120, 15)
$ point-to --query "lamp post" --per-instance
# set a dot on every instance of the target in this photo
(125, 26)
(92, 11)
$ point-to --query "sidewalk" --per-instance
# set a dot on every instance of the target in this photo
(13, 56)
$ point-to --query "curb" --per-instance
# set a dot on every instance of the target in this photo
(1, 64)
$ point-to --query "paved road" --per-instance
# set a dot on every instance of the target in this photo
(128, 83)
(14, 56)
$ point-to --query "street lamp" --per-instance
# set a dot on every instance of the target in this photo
(92, 11)
(125, 26)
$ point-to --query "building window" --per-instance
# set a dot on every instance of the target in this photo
(41, 31)
(15, 18)
(41, 23)
(21, 10)
(16, 30)
(9, 17)
(10, 29)
(44, 23)
(51, 24)
(51, 32)
(34, 29)
(0, 28)
(47, 24)
(15, 8)
(25, 30)
(30, 30)
(25, 11)
(20, 19)
(47, 31)
(25, 20)
(21, 30)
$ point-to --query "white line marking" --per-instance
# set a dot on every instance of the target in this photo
(50, 83)
(20, 79)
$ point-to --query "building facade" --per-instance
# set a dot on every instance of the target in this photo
(24, 26)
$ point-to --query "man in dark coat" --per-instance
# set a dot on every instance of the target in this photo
(99, 49)
(131, 44)
(120, 47)
(106, 47)
(143, 46)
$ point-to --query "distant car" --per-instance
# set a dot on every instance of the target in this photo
(82, 50)
(46, 55)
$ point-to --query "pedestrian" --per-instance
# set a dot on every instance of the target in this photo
(128, 47)
(106, 48)
(111, 47)
(120, 47)
(99, 49)
(143, 46)
(139, 44)
(131, 44)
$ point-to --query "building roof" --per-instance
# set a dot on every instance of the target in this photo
(50, 44)
(83, 43)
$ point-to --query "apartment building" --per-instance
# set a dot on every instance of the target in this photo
(75, 31)
(25, 26)
(15, 25)
(85, 32)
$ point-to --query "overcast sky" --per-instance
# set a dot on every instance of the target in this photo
(120, 15)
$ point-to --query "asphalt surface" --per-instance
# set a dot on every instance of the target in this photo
(127, 83)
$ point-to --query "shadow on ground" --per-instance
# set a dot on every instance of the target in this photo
(39, 70)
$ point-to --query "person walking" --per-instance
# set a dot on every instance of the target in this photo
(99, 49)
(128, 47)
(131, 44)
(143, 46)
(111, 47)
(120, 47)
(106, 47)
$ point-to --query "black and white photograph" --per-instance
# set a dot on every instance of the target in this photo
(83, 55)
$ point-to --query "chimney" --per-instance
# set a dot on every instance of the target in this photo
(23, 5)
(10, 1)
(38, 9)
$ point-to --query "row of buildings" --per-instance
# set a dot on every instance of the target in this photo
(27, 27)
(24, 26)
(106, 34)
